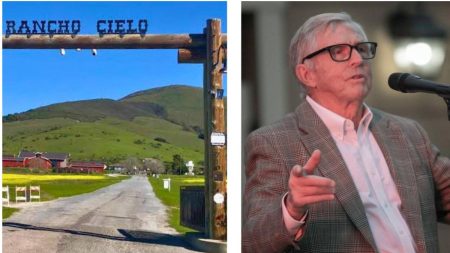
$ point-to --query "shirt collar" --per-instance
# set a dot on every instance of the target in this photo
(338, 125)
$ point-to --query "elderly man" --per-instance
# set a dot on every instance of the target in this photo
(337, 175)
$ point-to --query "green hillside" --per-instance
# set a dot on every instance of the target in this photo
(107, 139)
(90, 110)
(156, 123)
(180, 108)
(178, 103)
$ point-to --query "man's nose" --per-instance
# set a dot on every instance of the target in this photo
(356, 58)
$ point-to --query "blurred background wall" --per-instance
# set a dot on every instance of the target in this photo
(270, 90)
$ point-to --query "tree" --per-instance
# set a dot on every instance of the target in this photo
(154, 166)
(132, 165)
(200, 168)
(168, 166)
(178, 165)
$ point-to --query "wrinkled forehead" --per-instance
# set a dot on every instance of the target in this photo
(330, 28)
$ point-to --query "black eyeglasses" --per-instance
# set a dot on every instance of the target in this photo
(343, 52)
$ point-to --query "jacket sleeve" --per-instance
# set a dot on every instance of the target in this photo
(440, 166)
(267, 179)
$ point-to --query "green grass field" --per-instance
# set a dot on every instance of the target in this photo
(172, 199)
(57, 185)
(104, 139)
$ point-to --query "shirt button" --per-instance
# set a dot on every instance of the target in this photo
(385, 205)
(401, 232)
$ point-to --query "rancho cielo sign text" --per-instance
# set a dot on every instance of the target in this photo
(73, 27)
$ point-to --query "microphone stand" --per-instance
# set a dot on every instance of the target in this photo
(447, 101)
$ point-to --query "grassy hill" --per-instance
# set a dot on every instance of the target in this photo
(87, 110)
(178, 107)
(154, 123)
(178, 103)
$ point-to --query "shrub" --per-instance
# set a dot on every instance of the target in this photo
(155, 145)
(139, 142)
(160, 139)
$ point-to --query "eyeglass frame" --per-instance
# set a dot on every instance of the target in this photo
(311, 55)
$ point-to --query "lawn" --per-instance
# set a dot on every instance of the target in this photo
(8, 211)
(172, 198)
(57, 185)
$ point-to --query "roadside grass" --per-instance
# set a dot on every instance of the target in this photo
(57, 185)
(172, 198)
(8, 211)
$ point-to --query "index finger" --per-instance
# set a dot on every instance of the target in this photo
(313, 162)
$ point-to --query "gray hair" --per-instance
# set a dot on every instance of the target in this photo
(305, 37)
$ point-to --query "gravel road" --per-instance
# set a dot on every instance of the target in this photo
(125, 217)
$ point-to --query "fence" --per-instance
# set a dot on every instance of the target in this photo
(192, 207)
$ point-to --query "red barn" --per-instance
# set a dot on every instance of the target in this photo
(38, 161)
(12, 161)
(58, 160)
(87, 167)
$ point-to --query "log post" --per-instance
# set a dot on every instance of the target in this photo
(215, 153)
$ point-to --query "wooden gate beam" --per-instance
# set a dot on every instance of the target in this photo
(194, 55)
(132, 41)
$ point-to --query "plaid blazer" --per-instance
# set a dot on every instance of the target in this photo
(340, 225)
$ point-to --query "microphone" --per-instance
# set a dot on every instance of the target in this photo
(409, 83)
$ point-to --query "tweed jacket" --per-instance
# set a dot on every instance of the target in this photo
(339, 225)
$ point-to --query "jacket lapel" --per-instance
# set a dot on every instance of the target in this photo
(394, 147)
(315, 135)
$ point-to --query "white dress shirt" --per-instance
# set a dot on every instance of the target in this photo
(372, 178)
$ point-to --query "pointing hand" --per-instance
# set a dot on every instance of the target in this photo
(306, 188)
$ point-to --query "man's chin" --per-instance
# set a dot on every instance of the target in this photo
(364, 88)
(360, 93)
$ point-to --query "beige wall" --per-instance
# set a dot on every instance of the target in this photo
(267, 96)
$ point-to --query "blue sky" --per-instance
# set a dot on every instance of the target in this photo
(34, 78)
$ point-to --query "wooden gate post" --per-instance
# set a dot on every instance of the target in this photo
(215, 155)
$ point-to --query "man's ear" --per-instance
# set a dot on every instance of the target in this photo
(305, 75)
